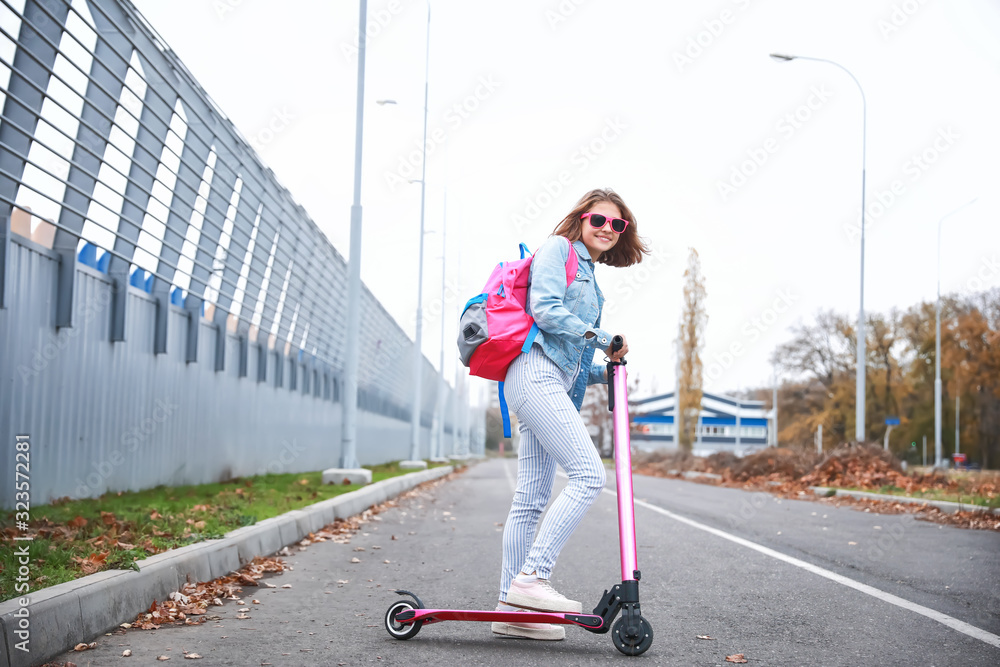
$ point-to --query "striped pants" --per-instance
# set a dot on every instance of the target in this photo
(552, 432)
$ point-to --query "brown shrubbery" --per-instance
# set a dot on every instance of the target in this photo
(790, 473)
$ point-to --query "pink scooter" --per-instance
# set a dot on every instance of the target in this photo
(632, 634)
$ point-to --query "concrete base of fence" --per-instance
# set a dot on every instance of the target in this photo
(413, 465)
(57, 618)
(347, 476)
(943, 505)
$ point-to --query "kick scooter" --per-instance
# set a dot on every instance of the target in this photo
(632, 634)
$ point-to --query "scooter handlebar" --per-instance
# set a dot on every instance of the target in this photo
(616, 343)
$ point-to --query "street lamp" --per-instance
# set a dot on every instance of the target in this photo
(415, 461)
(437, 450)
(437, 432)
(937, 348)
(859, 427)
(349, 404)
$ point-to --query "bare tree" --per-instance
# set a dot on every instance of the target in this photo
(690, 341)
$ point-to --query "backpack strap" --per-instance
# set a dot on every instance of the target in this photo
(504, 413)
(572, 264)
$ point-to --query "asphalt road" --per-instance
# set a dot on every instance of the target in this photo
(782, 582)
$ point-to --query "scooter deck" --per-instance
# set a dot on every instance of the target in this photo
(428, 616)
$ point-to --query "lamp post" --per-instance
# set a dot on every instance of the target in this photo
(415, 460)
(349, 404)
(437, 434)
(937, 345)
(437, 452)
(859, 427)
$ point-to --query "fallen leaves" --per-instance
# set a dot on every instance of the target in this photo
(91, 563)
(194, 599)
(703, 637)
(736, 657)
(788, 473)
(85, 647)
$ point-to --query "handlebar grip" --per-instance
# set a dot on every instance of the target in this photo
(616, 343)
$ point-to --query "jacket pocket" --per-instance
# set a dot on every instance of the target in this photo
(577, 291)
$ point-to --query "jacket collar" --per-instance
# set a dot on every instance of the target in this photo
(581, 250)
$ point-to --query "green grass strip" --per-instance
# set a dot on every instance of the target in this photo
(932, 494)
(78, 537)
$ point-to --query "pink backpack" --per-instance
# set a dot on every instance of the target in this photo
(495, 326)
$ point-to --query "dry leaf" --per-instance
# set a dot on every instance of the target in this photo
(195, 656)
(256, 601)
(242, 617)
(126, 653)
(736, 657)
(286, 585)
(163, 657)
(703, 637)
(386, 562)
(355, 560)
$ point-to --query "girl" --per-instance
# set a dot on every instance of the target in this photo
(544, 388)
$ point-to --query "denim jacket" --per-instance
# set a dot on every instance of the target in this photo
(568, 318)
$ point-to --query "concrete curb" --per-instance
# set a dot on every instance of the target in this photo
(943, 505)
(61, 616)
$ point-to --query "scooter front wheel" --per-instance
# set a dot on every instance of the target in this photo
(397, 629)
(632, 645)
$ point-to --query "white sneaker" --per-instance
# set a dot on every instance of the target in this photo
(533, 593)
(543, 631)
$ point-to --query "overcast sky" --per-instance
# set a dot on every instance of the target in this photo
(755, 163)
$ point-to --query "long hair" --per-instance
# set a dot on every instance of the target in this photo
(630, 247)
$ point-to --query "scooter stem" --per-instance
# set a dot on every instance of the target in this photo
(623, 473)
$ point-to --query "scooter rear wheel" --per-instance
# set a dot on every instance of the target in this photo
(397, 629)
(632, 645)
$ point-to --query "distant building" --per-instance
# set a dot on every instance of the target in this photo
(724, 425)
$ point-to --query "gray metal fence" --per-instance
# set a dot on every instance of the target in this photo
(168, 313)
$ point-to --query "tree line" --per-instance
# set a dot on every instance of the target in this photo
(819, 363)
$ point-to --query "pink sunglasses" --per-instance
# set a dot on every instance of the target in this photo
(597, 221)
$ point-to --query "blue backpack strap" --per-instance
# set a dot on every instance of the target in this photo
(531, 338)
(504, 414)
(524, 251)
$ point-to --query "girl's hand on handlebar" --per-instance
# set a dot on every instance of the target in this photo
(617, 356)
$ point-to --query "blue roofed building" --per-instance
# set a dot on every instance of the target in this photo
(725, 424)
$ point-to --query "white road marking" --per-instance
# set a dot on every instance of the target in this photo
(934, 615)
(510, 478)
